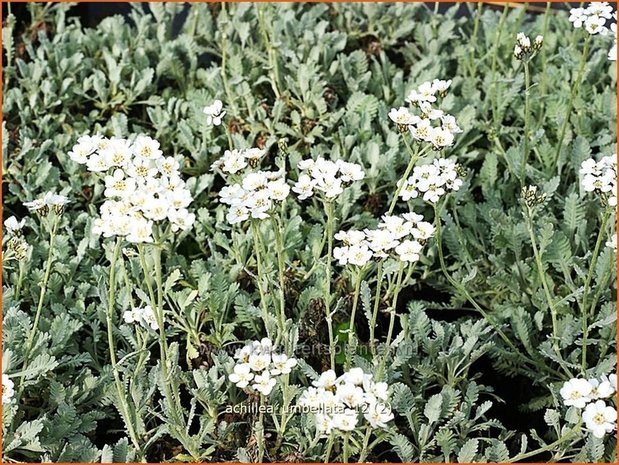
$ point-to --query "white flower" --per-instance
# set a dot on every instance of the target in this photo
(82, 150)
(596, 25)
(326, 380)
(599, 418)
(117, 185)
(602, 9)
(233, 161)
(600, 389)
(402, 116)
(181, 219)
(576, 392)
(601, 178)
(440, 138)
(144, 316)
(354, 376)
(304, 187)
(282, 365)
(359, 255)
(324, 423)
(241, 376)
(214, 113)
(440, 86)
(264, 383)
(378, 414)
(408, 251)
(117, 153)
(259, 362)
(278, 190)
(237, 214)
(140, 231)
(449, 123)
(13, 226)
(578, 17)
(8, 389)
(346, 421)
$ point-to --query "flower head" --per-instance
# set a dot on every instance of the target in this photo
(214, 113)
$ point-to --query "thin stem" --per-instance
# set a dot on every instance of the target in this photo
(547, 447)
(43, 291)
(570, 102)
(263, 299)
(281, 266)
(587, 286)
(345, 450)
(392, 315)
(353, 311)
(542, 278)
(379, 281)
(120, 390)
(260, 430)
(329, 233)
(527, 109)
(414, 156)
(20, 278)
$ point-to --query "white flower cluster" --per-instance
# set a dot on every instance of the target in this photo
(338, 403)
(595, 18)
(258, 362)
(143, 316)
(524, 48)
(422, 126)
(8, 389)
(141, 186)
(601, 177)
(214, 113)
(234, 161)
(404, 235)
(585, 394)
(49, 201)
(432, 180)
(255, 196)
(326, 177)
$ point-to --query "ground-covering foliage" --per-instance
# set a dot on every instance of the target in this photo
(310, 232)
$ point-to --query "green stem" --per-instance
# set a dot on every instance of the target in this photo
(20, 278)
(570, 102)
(281, 266)
(527, 109)
(379, 281)
(346, 444)
(414, 156)
(259, 279)
(259, 431)
(120, 390)
(329, 233)
(353, 311)
(37, 315)
(392, 314)
(585, 294)
(542, 277)
(547, 447)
